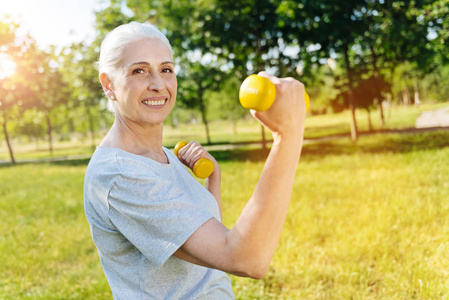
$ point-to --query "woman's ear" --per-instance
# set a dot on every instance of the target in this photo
(107, 86)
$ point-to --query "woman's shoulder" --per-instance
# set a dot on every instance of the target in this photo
(115, 160)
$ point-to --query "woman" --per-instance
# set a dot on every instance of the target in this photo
(157, 230)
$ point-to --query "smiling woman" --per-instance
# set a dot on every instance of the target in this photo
(158, 230)
(145, 89)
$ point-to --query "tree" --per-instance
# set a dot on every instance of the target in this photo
(396, 35)
(224, 106)
(433, 14)
(337, 25)
(12, 89)
(85, 86)
(31, 125)
(366, 91)
(44, 78)
(77, 64)
(80, 68)
(7, 103)
(369, 39)
(249, 35)
(193, 83)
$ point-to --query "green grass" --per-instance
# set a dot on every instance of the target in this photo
(366, 221)
(45, 247)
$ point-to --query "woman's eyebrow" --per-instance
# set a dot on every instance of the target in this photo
(148, 64)
(167, 62)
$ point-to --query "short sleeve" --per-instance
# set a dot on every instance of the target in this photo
(153, 214)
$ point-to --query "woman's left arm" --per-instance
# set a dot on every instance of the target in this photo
(213, 184)
(189, 154)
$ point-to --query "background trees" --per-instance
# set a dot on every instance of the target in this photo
(350, 54)
(12, 89)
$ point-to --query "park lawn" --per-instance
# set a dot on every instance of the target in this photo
(366, 221)
(29, 152)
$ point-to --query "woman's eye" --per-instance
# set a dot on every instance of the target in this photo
(167, 70)
(138, 71)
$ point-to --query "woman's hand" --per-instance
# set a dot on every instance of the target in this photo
(287, 114)
(190, 154)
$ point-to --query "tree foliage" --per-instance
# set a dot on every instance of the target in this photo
(13, 88)
(387, 50)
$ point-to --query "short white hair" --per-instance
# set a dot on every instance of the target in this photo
(115, 42)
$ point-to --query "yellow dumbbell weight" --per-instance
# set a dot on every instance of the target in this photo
(202, 168)
(258, 93)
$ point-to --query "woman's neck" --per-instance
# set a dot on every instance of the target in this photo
(145, 140)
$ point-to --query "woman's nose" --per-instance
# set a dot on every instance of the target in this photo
(156, 83)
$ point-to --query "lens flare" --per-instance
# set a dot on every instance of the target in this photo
(7, 66)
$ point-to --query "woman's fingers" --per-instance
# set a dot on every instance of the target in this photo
(288, 110)
(191, 153)
(272, 78)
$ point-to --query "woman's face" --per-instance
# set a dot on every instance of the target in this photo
(145, 84)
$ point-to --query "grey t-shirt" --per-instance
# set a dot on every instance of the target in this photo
(140, 212)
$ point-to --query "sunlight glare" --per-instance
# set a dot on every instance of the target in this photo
(7, 67)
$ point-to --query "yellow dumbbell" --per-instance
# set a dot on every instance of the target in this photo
(202, 168)
(258, 93)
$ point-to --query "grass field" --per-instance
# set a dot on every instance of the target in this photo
(366, 221)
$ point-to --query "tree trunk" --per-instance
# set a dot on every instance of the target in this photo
(416, 92)
(406, 95)
(282, 71)
(91, 126)
(376, 77)
(259, 65)
(234, 125)
(369, 120)
(393, 96)
(5, 132)
(204, 114)
(381, 110)
(36, 141)
(49, 132)
(354, 131)
(264, 141)
(389, 105)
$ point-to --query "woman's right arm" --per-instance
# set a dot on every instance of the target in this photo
(247, 249)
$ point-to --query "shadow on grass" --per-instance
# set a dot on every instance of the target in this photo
(330, 130)
(61, 162)
(71, 162)
(240, 155)
(381, 143)
(374, 143)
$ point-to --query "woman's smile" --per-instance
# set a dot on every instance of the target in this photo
(155, 102)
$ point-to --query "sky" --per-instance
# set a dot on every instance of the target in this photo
(54, 22)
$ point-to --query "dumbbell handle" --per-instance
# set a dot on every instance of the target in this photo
(202, 168)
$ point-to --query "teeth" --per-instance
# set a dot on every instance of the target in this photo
(154, 102)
